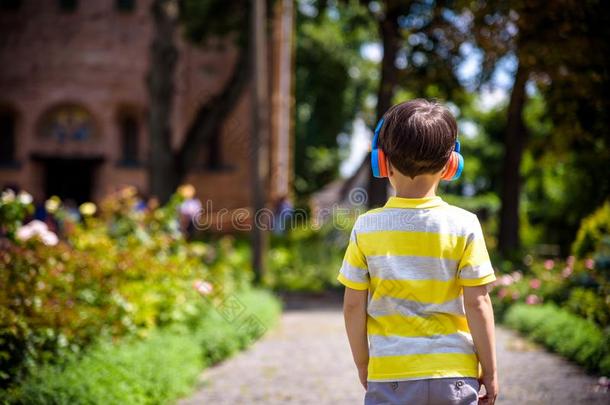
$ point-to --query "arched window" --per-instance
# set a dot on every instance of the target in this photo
(67, 123)
(129, 129)
(7, 137)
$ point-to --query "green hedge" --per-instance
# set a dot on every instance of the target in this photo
(564, 333)
(156, 370)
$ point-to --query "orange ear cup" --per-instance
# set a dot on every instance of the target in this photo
(383, 167)
(451, 167)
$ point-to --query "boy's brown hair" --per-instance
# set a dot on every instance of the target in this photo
(418, 136)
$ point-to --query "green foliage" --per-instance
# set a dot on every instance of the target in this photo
(332, 80)
(13, 208)
(309, 259)
(589, 304)
(155, 370)
(563, 332)
(124, 273)
(592, 231)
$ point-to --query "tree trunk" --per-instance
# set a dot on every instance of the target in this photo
(514, 143)
(259, 159)
(164, 56)
(389, 31)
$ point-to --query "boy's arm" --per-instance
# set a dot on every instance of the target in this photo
(354, 312)
(480, 316)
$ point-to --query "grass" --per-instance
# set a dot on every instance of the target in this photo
(156, 370)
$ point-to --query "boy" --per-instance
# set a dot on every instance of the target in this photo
(416, 274)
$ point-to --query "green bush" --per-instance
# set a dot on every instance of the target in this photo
(124, 272)
(564, 333)
(589, 304)
(592, 230)
(154, 370)
(308, 259)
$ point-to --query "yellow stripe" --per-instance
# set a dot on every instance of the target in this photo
(423, 365)
(423, 291)
(410, 326)
(405, 243)
(352, 284)
(354, 256)
(475, 254)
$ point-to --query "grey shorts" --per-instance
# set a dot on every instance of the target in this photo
(433, 391)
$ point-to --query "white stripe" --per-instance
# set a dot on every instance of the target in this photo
(354, 273)
(393, 345)
(474, 272)
(399, 219)
(389, 306)
(412, 268)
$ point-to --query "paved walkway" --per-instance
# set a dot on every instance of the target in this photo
(306, 360)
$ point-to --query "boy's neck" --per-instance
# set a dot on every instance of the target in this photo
(419, 187)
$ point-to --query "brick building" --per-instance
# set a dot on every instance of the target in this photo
(73, 102)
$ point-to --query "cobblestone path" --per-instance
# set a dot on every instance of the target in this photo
(306, 360)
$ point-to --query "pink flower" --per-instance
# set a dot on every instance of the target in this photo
(516, 275)
(532, 299)
(535, 283)
(506, 279)
(203, 287)
(502, 293)
(549, 264)
(570, 261)
(516, 295)
(566, 272)
(589, 264)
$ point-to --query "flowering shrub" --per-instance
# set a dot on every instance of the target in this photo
(13, 208)
(577, 284)
(126, 271)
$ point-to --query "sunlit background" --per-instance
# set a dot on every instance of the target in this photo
(179, 178)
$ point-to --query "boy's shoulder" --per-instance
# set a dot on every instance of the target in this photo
(386, 217)
(460, 213)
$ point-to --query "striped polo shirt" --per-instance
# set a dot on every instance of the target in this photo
(414, 256)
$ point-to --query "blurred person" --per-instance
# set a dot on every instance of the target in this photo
(188, 209)
(282, 215)
(417, 311)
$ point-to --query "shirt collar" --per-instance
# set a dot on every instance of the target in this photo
(426, 202)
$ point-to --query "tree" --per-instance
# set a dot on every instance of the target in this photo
(420, 41)
(332, 81)
(201, 20)
(531, 31)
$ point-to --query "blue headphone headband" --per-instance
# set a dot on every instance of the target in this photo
(377, 154)
(376, 136)
(378, 162)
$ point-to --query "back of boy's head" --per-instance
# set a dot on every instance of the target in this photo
(418, 136)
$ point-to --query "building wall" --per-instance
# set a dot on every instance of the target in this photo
(97, 57)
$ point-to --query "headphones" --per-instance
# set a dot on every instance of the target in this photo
(379, 164)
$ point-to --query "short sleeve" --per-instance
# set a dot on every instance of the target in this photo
(354, 271)
(475, 268)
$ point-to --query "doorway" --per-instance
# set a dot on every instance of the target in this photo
(70, 178)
